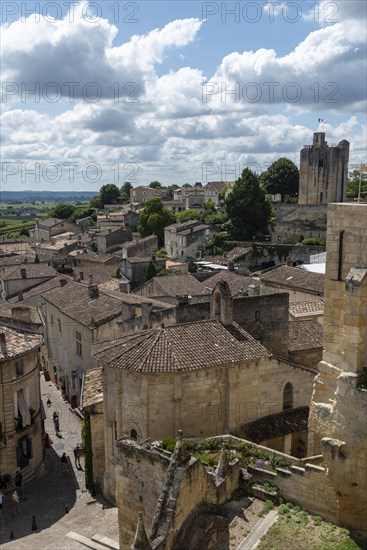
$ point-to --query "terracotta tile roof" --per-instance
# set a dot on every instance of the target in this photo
(33, 271)
(74, 301)
(306, 307)
(176, 285)
(237, 283)
(12, 313)
(277, 425)
(39, 289)
(285, 276)
(50, 222)
(92, 388)
(18, 343)
(100, 273)
(305, 335)
(15, 259)
(177, 348)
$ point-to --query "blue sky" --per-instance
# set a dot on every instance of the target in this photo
(175, 91)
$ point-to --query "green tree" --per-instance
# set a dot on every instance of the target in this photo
(281, 177)
(63, 210)
(109, 194)
(151, 271)
(125, 192)
(353, 184)
(95, 202)
(187, 215)
(248, 210)
(154, 218)
(185, 185)
(155, 185)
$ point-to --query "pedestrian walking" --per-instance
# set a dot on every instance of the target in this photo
(64, 463)
(15, 501)
(19, 484)
(1, 503)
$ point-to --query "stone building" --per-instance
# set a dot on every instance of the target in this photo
(26, 276)
(300, 284)
(323, 171)
(338, 411)
(208, 377)
(21, 412)
(111, 239)
(185, 240)
(45, 229)
(79, 315)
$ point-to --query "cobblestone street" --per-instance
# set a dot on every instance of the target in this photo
(54, 494)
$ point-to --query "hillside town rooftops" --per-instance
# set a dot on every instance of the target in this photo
(92, 388)
(238, 284)
(306, 308)
(28, 271)
(177, 285)
(285, 276)
(14, 343)
(305, 335)
(180, 348)
(91, 306)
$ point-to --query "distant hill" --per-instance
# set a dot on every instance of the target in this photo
(48, 196)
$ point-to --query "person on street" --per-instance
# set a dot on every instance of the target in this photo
(15, 501)
(19, 484)
(64, 463)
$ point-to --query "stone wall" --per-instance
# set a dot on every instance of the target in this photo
(306, 485)
(98, 452)
(338, 411)
(293, 220)
(167, 489)
(264, 317)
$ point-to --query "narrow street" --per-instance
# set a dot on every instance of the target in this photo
(58, 500)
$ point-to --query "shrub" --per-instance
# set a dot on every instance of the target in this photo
(268, 505)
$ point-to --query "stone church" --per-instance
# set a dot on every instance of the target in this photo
(208, 378)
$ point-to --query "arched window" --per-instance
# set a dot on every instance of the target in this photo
(133, 434)
(288, 396)
(217, 305)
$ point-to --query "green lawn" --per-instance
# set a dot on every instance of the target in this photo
(298, 530)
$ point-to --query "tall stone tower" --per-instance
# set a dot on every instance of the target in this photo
(338, 411)
(323, 171)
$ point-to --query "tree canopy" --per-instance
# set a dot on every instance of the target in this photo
(154, 218)
(281, 177)
(248, 210)
(63, 210)
(109, 194)
(354, 178)
(125, 192)
(155, 185)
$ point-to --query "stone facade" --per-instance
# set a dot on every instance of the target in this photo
(208, 401)
(185, 240)
(21, 415)
(292, 221)
(140, 247)
(338, 413)
(323, 171)
(110, 239)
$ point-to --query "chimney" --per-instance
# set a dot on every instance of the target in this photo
(23, 273)
(230, 266)
(124, 287)
(252, 290)
(21, 313)
(81, 275)
(146, 310)
(3, 343)
(289, 261)
(20, 296)
(63, 282)
(93, 291)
